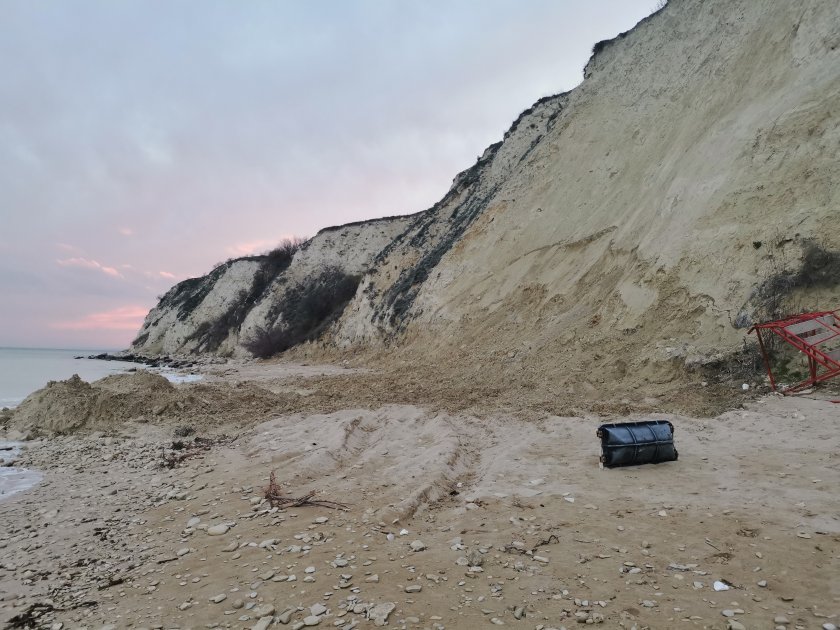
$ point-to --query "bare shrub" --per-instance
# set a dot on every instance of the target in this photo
(265, 342)
(308, 309)
(284, 252)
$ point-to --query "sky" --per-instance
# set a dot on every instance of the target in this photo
(143, 142)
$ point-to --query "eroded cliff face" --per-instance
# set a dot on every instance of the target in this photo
(634, 223)
(641, 226)
(218, 313)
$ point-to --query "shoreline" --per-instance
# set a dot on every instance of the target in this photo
(13, 479)
(507, 518)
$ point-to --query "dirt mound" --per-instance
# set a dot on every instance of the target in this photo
(132, 382)
(72, 406)
(60, 407)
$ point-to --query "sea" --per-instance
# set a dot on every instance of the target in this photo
(25, 370)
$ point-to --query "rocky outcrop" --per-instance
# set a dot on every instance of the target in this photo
(216, 313)
(640, 219)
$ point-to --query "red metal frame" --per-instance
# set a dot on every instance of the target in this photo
(817, 335)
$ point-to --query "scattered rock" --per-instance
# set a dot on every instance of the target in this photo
(217, 530)
(379, 613)
(263, 610)
(262, 624)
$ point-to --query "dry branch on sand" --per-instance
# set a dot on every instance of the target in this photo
(273, 493)
(180, 450)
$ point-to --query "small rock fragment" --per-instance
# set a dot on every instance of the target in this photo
(217, 530)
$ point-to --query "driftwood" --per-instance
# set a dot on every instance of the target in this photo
(527, 552)
(182, 450)
(273, 493)
(32, 617)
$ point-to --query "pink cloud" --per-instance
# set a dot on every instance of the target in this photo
(72, 249)
(126, 231)
(87, 263)
(254, 247)
(167, 275)
(122, 318)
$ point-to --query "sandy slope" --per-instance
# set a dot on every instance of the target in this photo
(695, 161)
(515, 514)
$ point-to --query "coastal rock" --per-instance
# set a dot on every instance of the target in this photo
(217, 530)
(379, 613)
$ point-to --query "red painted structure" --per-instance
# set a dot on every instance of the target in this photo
(817, 335)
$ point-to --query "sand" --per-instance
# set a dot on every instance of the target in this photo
(513, 520)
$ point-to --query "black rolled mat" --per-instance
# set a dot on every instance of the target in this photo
(635, 443)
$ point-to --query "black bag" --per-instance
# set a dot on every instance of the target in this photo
(634, 443)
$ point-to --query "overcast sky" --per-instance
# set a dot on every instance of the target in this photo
(142, 142)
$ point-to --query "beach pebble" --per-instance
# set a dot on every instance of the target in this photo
(413, 588)
(218, 599)
(379, 613)
(262, 624)
(311, 620)
(417, 545)
(317, 609)
(217, 530)
(285, 616)
(735, 625)
(263, 610)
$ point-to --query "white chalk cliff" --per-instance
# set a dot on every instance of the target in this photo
(637, 220)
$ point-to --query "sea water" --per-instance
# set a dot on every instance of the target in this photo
(13, 479)
(24, 370)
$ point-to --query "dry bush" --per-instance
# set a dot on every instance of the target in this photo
(308, 309)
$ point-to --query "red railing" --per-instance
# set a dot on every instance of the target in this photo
(817, 335)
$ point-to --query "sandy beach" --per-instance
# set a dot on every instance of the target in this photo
(453, 519)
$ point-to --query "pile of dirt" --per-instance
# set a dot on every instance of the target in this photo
(75, 406)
